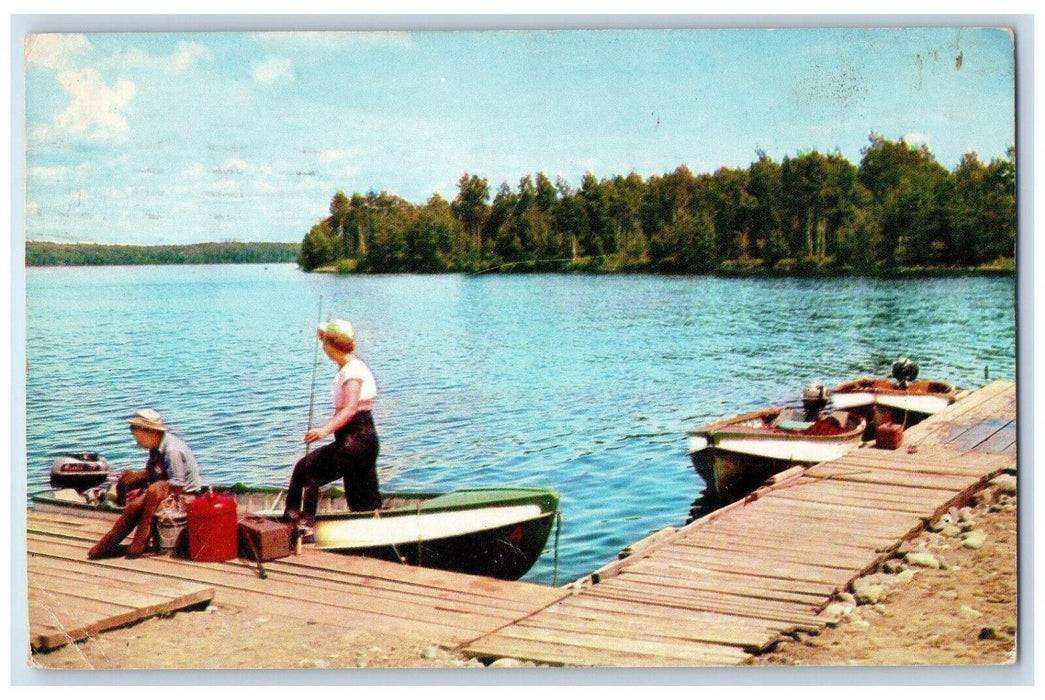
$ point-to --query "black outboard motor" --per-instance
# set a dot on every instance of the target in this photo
(814, 399)
(904, 371)
(80, 470)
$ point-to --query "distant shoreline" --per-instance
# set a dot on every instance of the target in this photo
(47, 254)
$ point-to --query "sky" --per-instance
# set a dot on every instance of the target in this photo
(171, 138)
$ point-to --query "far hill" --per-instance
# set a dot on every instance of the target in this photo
(40, 253)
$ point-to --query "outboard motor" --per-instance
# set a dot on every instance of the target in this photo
(904, 371)
(814, 399)
(79, 470)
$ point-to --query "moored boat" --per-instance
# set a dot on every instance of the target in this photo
(734, 456)
(498, 532)
(902, 399)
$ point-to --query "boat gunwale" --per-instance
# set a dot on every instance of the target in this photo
(546, 499)
(856, 386)
(723, 429)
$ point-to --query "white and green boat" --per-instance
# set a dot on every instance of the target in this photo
(498, 532)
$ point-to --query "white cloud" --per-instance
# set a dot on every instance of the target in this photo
(273, 70)
(329, 156)
(96, 109)
(232, 165)
(187, 54)
(196, 172)
(55, 50)
(32, 208)
(38, 133)
(185, 57)
(46, 172)
(915, 139)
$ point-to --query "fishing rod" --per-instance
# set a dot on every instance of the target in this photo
(296, 534)
(315, 361)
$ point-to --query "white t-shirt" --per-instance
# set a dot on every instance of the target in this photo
(354, 369)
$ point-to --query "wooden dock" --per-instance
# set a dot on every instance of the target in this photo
(732, 583)
(314, 586)
(708, 594)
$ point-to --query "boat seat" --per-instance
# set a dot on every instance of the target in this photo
(794, 426)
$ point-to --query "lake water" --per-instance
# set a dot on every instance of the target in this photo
(586, 384)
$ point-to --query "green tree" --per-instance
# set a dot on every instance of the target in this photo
(470, 206)
(318, 248)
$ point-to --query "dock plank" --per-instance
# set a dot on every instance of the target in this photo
(64, 609)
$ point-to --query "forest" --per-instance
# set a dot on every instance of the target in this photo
(898, 209)
(40, 254)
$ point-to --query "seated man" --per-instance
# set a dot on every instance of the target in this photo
(170, 468)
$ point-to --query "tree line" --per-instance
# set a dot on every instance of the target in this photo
(898, 208)
(38, 253)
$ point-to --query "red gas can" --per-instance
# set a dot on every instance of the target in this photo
(213, 528)
(888, 436)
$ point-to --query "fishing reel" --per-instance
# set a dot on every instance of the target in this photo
(904, 371)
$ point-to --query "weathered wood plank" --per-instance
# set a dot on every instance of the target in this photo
(720, 628)
(601, 645)
(706, 627)
(63, 610)
(241, 583)
(1001, 441)
(543, 652)
(512, 594)
(726, 602)
(770, 590)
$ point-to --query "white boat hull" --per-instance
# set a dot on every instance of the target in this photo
(926, 404)
(359, 533)
(796, 451)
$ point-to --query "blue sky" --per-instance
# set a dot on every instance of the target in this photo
(176, 138)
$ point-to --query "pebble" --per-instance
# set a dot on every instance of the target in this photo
(923, 559)
(988, 633)
(1004, 484)
(430, 652)
(974, 539)
(951, 531)
(905, 576)
(893, 566)
(941, 522)
(983, 498)
(949, 595)
(834, 612)
(507, 662)
(847, 598)
(868, 590)
(968, 613)
(312, 663)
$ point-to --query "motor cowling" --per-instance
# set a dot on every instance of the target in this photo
(904, 371)
(80, 470)
(814, 400)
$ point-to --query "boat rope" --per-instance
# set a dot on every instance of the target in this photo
(558, 527)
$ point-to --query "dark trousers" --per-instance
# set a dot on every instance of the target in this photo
(137, 516)
(352, 456)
